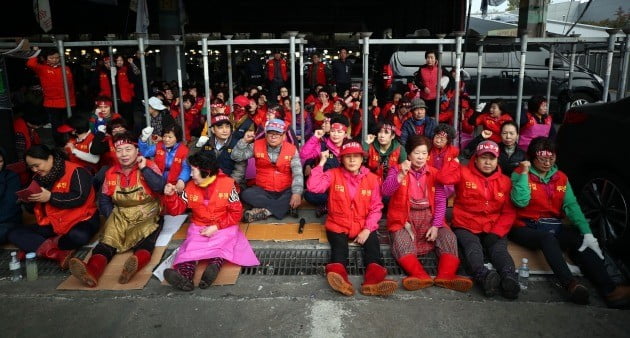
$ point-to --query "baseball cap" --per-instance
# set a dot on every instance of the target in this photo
(241, 100)
(219, 119)
(156, 103)
(275, 125)
(352, 147)
(487, 147)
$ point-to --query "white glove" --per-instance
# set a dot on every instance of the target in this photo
(102, 128)
(480, 106)
(591, 242)
(202, 140)
(146, 133)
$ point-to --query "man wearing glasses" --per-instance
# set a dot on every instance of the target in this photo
(279, 178)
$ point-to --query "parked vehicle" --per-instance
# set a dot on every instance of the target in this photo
(501, 66)
(592, 142)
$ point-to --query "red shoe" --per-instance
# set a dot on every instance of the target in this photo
(50, 249)
(447, 277)
(88, 273)
(133, 264)
(374, 282)
(338, 279)
(417, 278)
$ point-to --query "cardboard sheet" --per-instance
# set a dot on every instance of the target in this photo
(227, 275)
(109, 280)
(285, 232)
(536, 260)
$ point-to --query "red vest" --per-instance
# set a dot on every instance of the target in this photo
(62, 220)
(451, 153)
(126, 87)
(109, 157)
(320, 74)
(269, 176)
(546, 199)
(217, 195)
(398, 209)
(83, 146)
(176, 166)
(51, 80)
(374, 160)
(104, 83)
(345, 215)
(493, 124)
(271, 69)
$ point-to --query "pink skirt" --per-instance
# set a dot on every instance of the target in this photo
(229, 244)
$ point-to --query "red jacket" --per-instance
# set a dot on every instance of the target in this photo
(482, 204)
(345, 215)
(125, 86)
(273, 176)
(374, 160)
(31, 137)
(62, 220)
(104, 83)
(216, 204)
(546, 199)
(398, 209)
(320, 74)
(493, 124)
(271, 69)
(181, 154)
(52, 84)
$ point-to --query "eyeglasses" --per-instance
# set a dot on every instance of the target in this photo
(546, 160)
(273, 134)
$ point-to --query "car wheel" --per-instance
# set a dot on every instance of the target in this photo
(575, 100)
(579, 99)
(605, 201)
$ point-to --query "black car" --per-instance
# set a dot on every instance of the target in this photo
(592, 144)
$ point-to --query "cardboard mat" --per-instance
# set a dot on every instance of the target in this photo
(227, 275)
(285, 232)
(536, 260)
(109, 279)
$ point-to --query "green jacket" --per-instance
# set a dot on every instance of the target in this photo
(521, 196)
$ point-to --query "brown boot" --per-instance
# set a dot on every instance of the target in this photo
(619, 297)
(133, 264)
(337, 278)
(375, 284)
(50, 249)
(88, 273)
(447, 274)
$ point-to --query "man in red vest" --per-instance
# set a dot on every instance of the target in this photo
(277, 74)
(279, 178)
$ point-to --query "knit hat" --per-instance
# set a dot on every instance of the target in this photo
(417, 103)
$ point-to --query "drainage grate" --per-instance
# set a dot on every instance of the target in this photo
(45, 267)
(292, 262)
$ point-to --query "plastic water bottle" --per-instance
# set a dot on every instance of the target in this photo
(31, 267)
(15, 267)
(523, 274)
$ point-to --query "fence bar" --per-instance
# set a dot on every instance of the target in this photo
(458, 70)
(112, 75)
(552, 52)
(521, 77)
(611, 49)
(230, 71)
(145, 89)
(365, 36)
(180, 85)
(438, 87)
(301, 46)
(206, 77)
(479, 70)
(292, 35)
(624, 65)
(66, 90)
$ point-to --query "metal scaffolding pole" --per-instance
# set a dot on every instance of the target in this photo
(571, 70)
(112, 75)
(180, 85)
(611, 49)
(624, 65)
(292, 35)
(301, 45)
(366, 52)
(66, 89)
(458, 70)
(552, 52)
(230, 70)
(479, 70)
(438, 88)
(206, 76)
(521, 77)
(143, 68)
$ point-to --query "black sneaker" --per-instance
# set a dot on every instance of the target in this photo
(178, 281)
(209, 275)
(256, 214)
(489, 281)
(321, 211)
(510, 287)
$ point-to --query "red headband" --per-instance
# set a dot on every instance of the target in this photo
(123, 142)
(339, 126)
(544, 153)
(103, 103)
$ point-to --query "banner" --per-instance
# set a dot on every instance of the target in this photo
(41, 8)
(142, 17)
